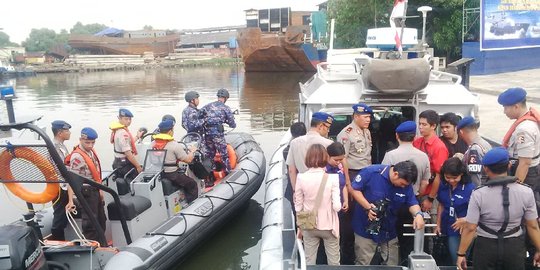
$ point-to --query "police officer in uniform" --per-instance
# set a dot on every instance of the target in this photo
(175, 153)
(495, 214)
(405, 134)
(216, 114)
(523, 138)
(61, 132)
(85, 162)
(356, 138)
(191, 118)
(125, 152)
(477, 148)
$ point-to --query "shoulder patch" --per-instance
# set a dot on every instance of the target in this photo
(358, 178)
(348, 130)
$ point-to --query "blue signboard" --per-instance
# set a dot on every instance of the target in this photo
(509, 24)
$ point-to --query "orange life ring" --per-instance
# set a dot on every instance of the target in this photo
(44, 165)
(232, 156)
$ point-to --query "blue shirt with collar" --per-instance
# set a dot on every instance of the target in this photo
(458, 199)
(339, 171)
(374, 182)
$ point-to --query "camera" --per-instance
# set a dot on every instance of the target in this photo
(374, 226)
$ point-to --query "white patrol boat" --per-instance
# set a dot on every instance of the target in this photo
(397, 90)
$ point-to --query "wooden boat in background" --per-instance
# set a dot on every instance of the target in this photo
(276, 51)
(159, 45)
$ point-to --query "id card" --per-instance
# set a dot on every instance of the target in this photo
(451, 211)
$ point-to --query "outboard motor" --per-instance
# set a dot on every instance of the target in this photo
(20, 249)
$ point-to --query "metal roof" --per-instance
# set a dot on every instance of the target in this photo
(207, 38)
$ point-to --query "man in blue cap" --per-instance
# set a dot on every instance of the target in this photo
(405, 134)
(356, 138)
(175, 153)
(125, 152)
(318, 131)
(216, 114)
(477, 148)
(523, 138)
(61, 132)
(495, 215)
(85, 162)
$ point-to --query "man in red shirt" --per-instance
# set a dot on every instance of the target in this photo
(437, 152)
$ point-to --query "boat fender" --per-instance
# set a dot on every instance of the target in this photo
(232, 156)
(43, 164)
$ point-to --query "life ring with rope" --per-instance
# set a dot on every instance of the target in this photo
(43, 164)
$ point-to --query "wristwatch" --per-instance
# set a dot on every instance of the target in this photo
(419, 213)
(460, 254)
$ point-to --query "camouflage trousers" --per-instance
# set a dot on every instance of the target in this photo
(216, 143)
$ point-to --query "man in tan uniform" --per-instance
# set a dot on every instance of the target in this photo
(125, 152)
(320, 126)
(356, 138)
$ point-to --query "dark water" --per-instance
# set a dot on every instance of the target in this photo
(268, 103)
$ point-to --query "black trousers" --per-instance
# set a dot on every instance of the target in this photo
(97, 205)
(187, 183)
(59, 216)
(124, 166)
(346, 236)
(406, 243)
(486, 254)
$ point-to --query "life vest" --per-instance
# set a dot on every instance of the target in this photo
(532, 115)
(95, 169)
(116, 126)
(160, 141)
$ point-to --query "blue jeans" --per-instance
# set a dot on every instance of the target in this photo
(453, 245)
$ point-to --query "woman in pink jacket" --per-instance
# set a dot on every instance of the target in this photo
(305, 193)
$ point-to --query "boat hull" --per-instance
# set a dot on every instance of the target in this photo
(276, 53)
(160, 46)
(173, 240)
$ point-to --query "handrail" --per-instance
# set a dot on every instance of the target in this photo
(442, 73)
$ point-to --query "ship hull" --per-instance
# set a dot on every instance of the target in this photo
(160, 46)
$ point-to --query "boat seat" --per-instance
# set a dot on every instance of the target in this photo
(168, 187)
(131, 207)
(122, 185)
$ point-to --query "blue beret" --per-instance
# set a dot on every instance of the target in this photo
(406, 127)
(60, 124)
(512, 96)
(324, 117)
(166, 125)
(466, 122)
(125, 113)
(362, 108)
(88, 133)
(496, 155)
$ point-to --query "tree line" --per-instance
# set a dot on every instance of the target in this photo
(443, 29)
(43, 39)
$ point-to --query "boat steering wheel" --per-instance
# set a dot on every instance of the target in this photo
(193, 139)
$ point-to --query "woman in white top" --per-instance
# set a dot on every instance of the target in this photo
(305, 193)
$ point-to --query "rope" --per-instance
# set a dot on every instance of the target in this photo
(82, 239)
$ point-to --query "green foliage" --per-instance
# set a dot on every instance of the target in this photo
(354, 17)
(4, 40)
(148, 28)
(40, 40)
(87, 29)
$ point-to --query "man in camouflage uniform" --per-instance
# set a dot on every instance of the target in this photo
(191, 120)
(216, 114)
(85, 162)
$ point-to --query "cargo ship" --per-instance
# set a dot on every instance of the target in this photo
(282, 40)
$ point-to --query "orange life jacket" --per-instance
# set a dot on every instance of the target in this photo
(95, 169)
(532, 115)
(131, 139)
(160, 141)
